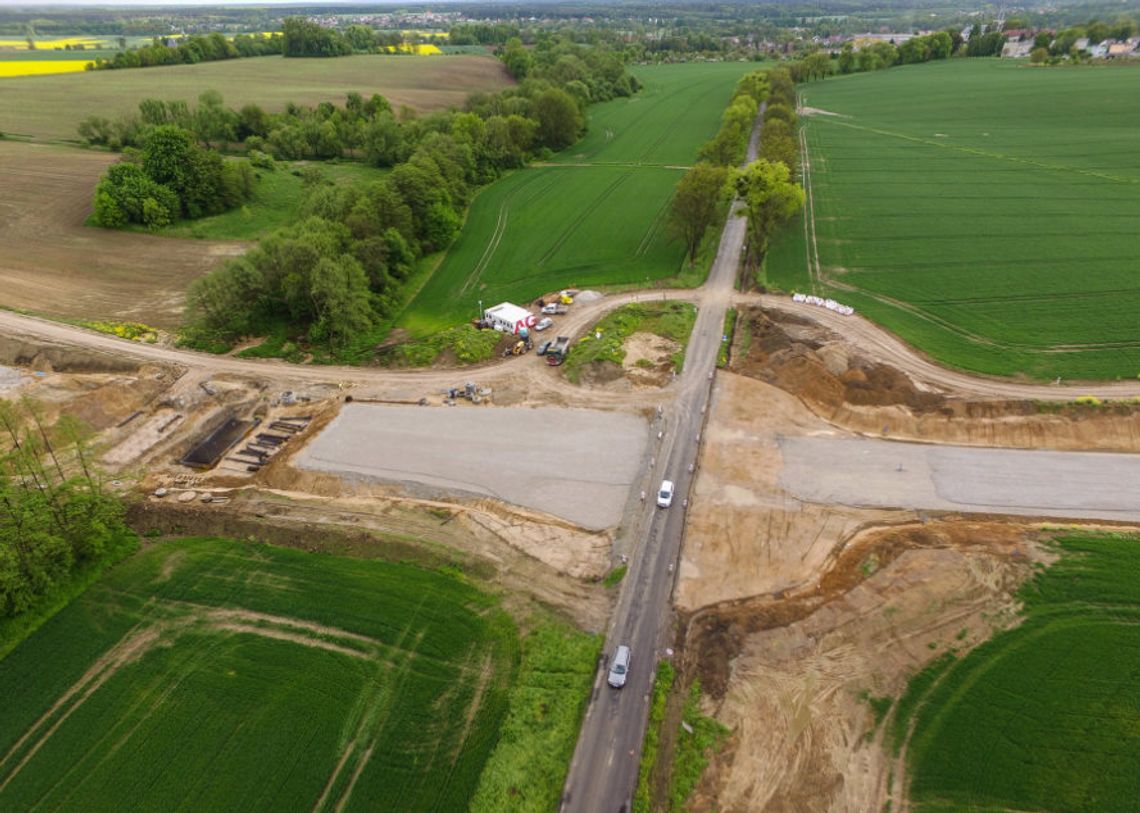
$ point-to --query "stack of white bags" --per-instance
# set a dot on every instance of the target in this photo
(830, 304)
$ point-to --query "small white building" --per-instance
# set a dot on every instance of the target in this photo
(508, 318)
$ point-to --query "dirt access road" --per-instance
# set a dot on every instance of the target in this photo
(51, 263)
(535, 377)
(889, 349)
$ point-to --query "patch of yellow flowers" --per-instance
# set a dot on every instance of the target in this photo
(48, 45)
(421, 49)
(135, 331)
(40, 67)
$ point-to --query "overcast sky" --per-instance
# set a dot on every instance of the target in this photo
(24, 4)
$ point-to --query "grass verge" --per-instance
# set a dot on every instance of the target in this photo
(528, 767)
(615, 576)
(693, 749)
(662, 685)
(726, 339)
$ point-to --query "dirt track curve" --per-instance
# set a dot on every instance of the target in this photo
(869, 337)
(889, 349)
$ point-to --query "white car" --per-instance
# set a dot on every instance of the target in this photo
(619, 668)
(543, 324)
(665, 494)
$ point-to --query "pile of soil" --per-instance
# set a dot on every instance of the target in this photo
(846, 388)
(813, 363)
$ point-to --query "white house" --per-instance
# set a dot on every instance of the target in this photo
(508, 318)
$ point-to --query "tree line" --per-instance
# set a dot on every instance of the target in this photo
(700, 197)
(190, 51)
(299, 38)
(55, 517)
(546, 110)
(305, 38)
(339, 271)
(766, 187)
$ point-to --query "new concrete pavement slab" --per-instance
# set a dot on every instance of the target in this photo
(890, 474)
(576, 464)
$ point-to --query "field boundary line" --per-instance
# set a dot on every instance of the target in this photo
(810, 243)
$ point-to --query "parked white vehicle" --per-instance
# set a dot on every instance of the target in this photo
(543, 324)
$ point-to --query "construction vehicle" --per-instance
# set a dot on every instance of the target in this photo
(554, 309)
(468, 391)
(518, 348)
(558, 351)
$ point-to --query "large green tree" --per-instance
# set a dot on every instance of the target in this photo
(696, 201)
(770, 198)
(560, 120)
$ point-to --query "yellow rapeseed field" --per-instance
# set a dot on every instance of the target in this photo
(26, 67)
(420, 50)
(48, 45)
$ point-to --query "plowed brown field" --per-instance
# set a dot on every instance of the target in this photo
(51, 107)
(51, 263)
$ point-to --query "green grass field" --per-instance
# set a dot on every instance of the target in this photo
(276, 202)
(214, 675)
(1044, 716)
(596, 214)
(51, 107)
(984, 210)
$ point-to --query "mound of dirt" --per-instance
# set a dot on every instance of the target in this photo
(601, 374)
(843, 386)
(649, 359)
(814, 364)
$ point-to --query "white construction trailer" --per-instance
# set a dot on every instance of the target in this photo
(509, 318)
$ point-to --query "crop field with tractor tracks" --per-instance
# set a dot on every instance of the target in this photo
(206, 674)
(984, 210)
(596, 214)
(1043, 716)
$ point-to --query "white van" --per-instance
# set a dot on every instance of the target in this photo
(619, 668)
(665, 494)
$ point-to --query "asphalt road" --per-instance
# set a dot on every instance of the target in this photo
(603, 772)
